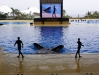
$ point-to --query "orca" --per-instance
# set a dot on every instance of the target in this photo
(56, 49)
(1, 24)
(38, 46)
(42, 50)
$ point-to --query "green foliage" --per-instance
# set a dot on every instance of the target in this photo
(3, 15)
(20, 16)
(16, 14)
(65, 15)
(94, 14)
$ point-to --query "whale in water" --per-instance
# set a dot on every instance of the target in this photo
(42, 50)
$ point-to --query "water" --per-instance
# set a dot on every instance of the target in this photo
(50, 37)
(9, 23)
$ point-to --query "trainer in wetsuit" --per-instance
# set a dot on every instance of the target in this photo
(54, 12)
(79, 47)
(19, 44)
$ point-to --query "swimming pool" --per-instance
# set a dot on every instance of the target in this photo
(50, 37)
(18, 23)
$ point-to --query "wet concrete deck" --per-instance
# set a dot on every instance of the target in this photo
(48, 64)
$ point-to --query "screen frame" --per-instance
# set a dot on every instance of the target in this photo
(61, 3)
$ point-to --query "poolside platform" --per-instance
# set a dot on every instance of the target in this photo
(49, 64)
(51, 21)
(52, 25)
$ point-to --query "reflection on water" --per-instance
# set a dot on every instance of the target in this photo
(79, 67)
(20, 70)
(49, 36)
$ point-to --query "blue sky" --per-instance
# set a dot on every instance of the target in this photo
(72, 7)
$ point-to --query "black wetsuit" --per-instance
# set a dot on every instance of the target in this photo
(79, 47)
(19, 42)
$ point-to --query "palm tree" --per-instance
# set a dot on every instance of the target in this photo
(64, 13)
(88, 14)
(96, 14)
(3, 15)
(13, 12)
(17, 13)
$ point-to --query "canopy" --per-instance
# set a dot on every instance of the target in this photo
(31, 10)
(4, 8)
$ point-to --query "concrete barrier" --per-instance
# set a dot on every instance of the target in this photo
(1, 50)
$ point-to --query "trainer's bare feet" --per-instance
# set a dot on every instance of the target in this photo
(17, 56)
(75, 56)
(22, 56)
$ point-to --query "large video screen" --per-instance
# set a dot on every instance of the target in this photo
(51, 10)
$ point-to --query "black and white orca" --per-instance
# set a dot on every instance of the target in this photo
(42, 50)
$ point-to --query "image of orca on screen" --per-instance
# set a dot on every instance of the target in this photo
(48, 10)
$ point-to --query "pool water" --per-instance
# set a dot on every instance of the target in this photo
(50, 37)
(9, 23)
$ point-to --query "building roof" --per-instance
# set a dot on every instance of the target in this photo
(31, 10)
(4, 8)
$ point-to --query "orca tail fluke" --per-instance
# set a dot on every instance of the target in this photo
(56, 49)
(38, 46)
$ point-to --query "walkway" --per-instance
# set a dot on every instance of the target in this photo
(48, 64)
